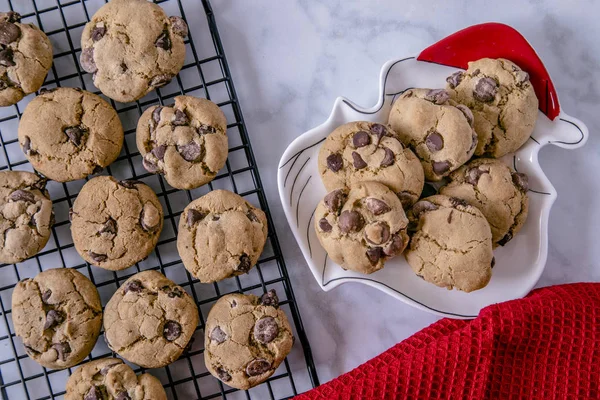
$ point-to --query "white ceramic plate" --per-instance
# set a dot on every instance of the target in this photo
(519, 264)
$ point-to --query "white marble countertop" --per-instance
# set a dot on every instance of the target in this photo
(291, 59)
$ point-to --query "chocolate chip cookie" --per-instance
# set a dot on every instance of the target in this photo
(440, 132)
(58, 316)
(26, 215)
(503, 102)
(111, 378)
(150, 320)
(246, 338)
(362, 227)
(25, 58)
(497, 191)
(220, 235)
(132, 47)
(185, 142)
(115, 224)
(365, 151)
(451, 245)
(68, 134)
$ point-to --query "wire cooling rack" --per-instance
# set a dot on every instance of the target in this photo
(205, 74)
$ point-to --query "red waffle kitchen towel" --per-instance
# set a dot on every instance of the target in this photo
(545, 346)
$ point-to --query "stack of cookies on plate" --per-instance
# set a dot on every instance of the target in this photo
(379, 205)
(131, 47)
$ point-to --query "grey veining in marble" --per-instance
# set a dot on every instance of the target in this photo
(291, 59)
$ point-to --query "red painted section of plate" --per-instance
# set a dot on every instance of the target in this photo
(496, 40)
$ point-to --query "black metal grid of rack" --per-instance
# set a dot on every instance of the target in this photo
(205, 74)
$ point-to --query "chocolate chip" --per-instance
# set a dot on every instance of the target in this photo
(522, 77)
(361, 139)
(252, 217)
(104, 370)
(194, 216)
(521, 181)
(53, 317)
(179, 26)
(159, 151)
(206, 130)
(171, 330)
(474, 142)
(110, 227)
(75, 133)
(485, 89)
(176, 292)
(376, 206)
(378, 130)
(388, 158)
(148, 216)
(87, 60)
(150, 165)
(9, 32)
(396, 246)
(335, 200)
(377, 233)
(97, 257)
(257, 367)
(62, 349)
(335, 162)
(422, 206)
(180, 118)
(406, 199)
(27, 146)
(434, 142)
(266, 330)
(191, 152)
(124, 67)
(455, 79)
(129, 184)
(95, 393)
(122, 396)
(215, 217)
(22, 195)
(493, 262)
(134, 286)
(450, 216)
(245, 263)
(325, 225)
(270, 299)
(466, 112)
(163, 41)
(156, 114)
(476, 72)
(350, 221)
(13, 16)
(440, 167)
(357, 160)
(473, 175)
(98, 31)
(223, 375)
(233, 303)
(374, 255)
(6, 57)
(456, 202)
(46, 296)
(437, 96)
(97, 169)
(160, 80)
(218, 335)
(507, 238)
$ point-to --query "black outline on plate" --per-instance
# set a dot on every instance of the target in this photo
(298, 202)
(576, 126)
(530, 190)
(296, 178)
(300, 152)
(308, 232)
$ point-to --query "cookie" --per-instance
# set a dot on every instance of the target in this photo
(132, 47)
(115, 224)
(150, 320)
(184, 142)
(437, 130)
(246, 338)
(362, 227)
(451, 245)
(68, 134)
(111, 378)
(58, 316)
(26, 215)
(220, 235)
(25, 58)
(497, 191)
(503, 102)
(365, 151)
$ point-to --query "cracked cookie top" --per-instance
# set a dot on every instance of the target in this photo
(111, 378)
(451, 243)
(439, 131)
(220, 235)
(366, 151)
(58, 316)
(115, 224)
(26, 215)
(362, 227)
(497, 191)
(132, 47)
(246, 338)
(68, 134)
(503, 101)
(25, 58)
(150, 320)
(185, 142)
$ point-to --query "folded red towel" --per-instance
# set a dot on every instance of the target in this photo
(545, 346)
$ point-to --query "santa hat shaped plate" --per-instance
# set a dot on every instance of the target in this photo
(520, 263)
